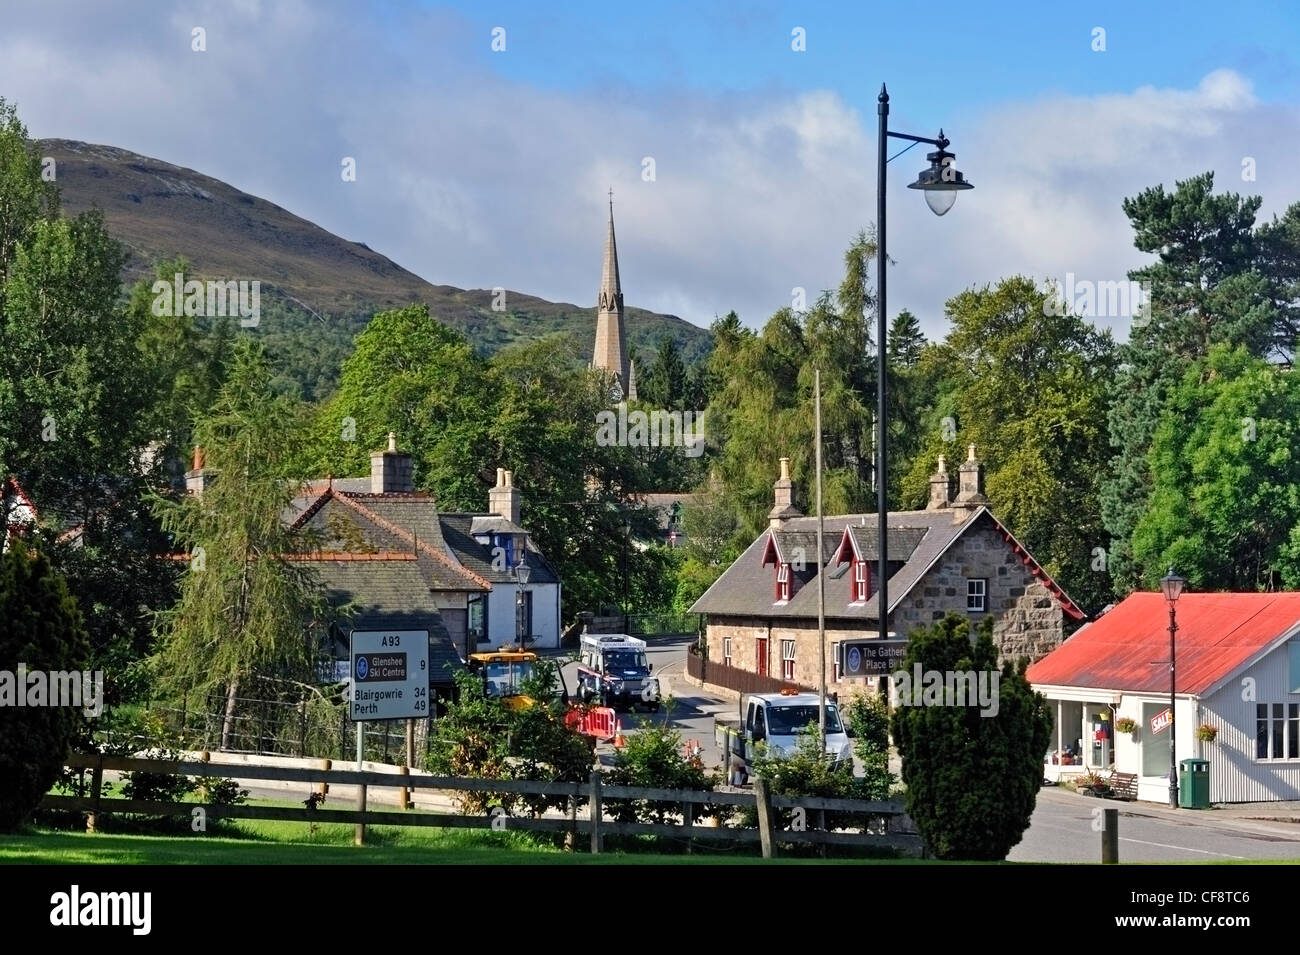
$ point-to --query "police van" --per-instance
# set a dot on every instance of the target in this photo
(613, 670)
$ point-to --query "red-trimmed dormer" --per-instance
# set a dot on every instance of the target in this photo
(860, 571)
(774, 554)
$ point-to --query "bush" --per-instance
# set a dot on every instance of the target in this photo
(654, 758)
(868, 717)
(43, 629)
(809, 771)
(481, 737)
(972, 779)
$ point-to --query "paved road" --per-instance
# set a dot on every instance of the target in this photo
(1061, 831)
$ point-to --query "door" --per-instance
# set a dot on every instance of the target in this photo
(760, 656)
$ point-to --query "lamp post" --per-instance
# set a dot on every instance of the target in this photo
(522, 571)
(627, 538)
(1171, 585)
(940, 182)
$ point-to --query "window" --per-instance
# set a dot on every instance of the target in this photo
(478, 620)
(726, 651)
(782, 582)
(976, 595)
(760, 656)
(787, 660)
(837, 674)
(859, 581)
(1293, 652)
(1277, 730)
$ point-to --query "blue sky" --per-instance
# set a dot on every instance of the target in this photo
(480, 168)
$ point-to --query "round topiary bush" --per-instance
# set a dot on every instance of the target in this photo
(42, 631)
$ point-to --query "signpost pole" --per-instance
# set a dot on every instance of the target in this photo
(359, 833)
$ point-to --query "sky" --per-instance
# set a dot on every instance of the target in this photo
(741, 165)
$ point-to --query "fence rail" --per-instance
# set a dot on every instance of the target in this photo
(885, 815)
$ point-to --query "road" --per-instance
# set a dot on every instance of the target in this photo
(1060, 830)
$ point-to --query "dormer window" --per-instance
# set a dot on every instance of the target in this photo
(859, 581)
(782, 583)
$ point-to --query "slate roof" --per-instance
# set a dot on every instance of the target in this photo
(1127, 648)
(457, 533)
(388, 591)
(918, 538)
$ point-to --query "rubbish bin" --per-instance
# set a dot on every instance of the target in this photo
(1194, 784)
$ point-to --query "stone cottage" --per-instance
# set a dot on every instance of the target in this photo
(954, 556)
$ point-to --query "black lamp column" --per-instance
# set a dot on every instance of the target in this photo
(1171, 585)
(941, 182)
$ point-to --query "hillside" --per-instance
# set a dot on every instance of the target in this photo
(327, 287)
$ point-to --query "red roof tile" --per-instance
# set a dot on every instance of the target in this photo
(1128, 647)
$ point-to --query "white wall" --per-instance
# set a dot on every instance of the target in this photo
(1235, 774)
(1128, 747)
(546, 615)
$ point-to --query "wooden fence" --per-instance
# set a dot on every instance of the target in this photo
(734, 678)
(886, 816)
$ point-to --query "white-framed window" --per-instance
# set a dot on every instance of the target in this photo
(787, 660)
(782, 582)
(977, 595)
(726, 650)
(837, 674)
(859, 581)
(1277, 730)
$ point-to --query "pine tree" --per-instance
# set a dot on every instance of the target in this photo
(244, 609)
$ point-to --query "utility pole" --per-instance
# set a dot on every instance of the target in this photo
(821, 578)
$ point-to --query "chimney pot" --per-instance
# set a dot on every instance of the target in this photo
(392, 441)
(783, 506)
(504, 499)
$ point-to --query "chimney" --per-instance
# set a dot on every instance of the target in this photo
(783, 508)
(198, 477)
(970, 482)
(503, 500)
(390, 470)
(940, 488)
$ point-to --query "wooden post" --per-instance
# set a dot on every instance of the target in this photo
(96, 788)
(688, 818)
(403, 793)
(571, 837)
(821, 825)
(324, 788)
(1110, 838)
(766, 831)
(597, 839)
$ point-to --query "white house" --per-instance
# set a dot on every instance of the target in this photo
(1237, 674)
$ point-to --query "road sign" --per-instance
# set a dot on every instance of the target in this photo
(872, 657)
(1160, 722)
(390, 674)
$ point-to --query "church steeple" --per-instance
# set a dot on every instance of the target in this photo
(610, 353)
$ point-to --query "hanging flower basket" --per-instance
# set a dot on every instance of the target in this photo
(1126, 724)
(1206, 733)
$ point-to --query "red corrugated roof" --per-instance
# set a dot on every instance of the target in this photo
(1128, 647)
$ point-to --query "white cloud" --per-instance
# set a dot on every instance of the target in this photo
(471, 179)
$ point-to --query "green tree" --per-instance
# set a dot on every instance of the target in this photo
(665, 381)
(1029, 389)
(972, 776)
(244, 609)
(1225, 497)
(43, 630)
(868, 718)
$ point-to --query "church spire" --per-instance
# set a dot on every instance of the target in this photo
(610, 353)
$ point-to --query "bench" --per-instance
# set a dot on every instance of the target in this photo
(1123, 786)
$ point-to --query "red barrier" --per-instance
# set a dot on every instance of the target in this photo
(597, 721)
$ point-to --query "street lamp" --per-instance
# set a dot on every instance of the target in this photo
(1171, 585)
(522, 571)
(940, 182)
(627, 538)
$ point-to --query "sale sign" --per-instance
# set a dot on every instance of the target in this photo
(1160, 722)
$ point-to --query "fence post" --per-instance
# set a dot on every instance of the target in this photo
(96, 787)
(324, 788)
(821, 824)
(688, 818)
(597, 839)
(403, 794)
(766, 835)
(1110, 837)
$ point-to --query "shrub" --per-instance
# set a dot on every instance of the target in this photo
(653, 757)
(868, 717)
(43, 629)
(972, 779)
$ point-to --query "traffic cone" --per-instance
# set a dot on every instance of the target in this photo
(618, 733)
